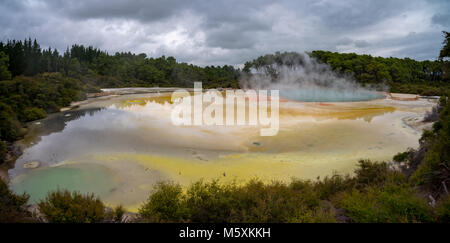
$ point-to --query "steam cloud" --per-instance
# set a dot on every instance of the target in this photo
(302, 78)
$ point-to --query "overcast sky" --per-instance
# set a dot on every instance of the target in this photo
(213, 32)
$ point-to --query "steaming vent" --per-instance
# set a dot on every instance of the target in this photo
(302, 78)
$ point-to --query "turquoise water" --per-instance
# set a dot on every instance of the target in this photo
(85, 178)
(329, 95)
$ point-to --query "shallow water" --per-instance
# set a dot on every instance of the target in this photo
(120, 147)
(74, 178)
(329, 95)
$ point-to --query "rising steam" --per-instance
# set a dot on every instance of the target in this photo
(302, 78)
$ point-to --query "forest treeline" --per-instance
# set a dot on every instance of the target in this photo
(405, 75)
(429, 78)
(100, 69)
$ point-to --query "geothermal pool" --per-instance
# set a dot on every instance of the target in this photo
(329, 95)
(120, 146)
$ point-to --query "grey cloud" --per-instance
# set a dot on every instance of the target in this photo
(344, 41)
(361, 43)
(145, 11)
(233, 31)
(420, 46)
(442, 19)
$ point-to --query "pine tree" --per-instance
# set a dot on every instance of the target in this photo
(4, 63)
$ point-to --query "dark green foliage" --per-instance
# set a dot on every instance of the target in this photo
(3, 151)
(434, 171)
(401, 75)
(165, 205)
(444, 56)
(114, 215)
(33, 113)
(402, 156)
(387, 204)
(10, 127)
(12, 206)
(252, 202)
(66, 207)
(374, 194)
(279, 202)
(382, 195)
(24, 99)
(371, 173)
(443, 210)
(445, 51)
(4, 65)
(209, 202)
(368, 69)
(330, 186)
(267, 63)
(426, 89)
(97, 68)
(119, 211)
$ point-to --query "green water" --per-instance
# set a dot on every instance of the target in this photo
(329, 95)
(85, 178)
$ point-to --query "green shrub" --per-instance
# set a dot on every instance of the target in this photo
(388, 204)
(370, 173)
(164, 205)
(66, 207)
(427, 135)
(402, 156)
(210, 202)
(253, 202)
(12, 206)
(119, 211)
(10, 127)
(330, 186)
(324, 213)
(374, 194)
(33, 113)
(434, 169)
(3, 151)
(443, 210)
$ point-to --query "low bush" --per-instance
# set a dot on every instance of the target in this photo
(12, 206)
(253, 202)
(330, 186)
(67, 207)
(3, 151)
(10, 127)
(119, 211)
(443, 210)
(434, 171)
(402, 156)
(210, 202)
(165, 204)
(388, 204)
(370, 173)
(34, 113)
